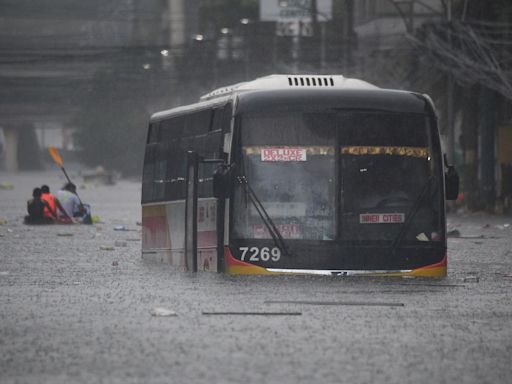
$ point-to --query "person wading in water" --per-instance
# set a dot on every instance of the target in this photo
(36, 210)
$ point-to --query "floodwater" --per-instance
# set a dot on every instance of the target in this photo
(79, 305)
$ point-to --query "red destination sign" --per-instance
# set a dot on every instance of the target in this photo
(283, 154)
(381, 218)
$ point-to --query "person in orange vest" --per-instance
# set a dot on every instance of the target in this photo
(54, 209)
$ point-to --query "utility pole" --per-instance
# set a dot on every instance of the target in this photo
(487, 108)
(348, 26)
(470, 99)
(449, 103)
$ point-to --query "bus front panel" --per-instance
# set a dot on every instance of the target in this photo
(337, 190)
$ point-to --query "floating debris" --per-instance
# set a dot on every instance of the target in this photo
(119, 228)
(4, 273)
(504, 274)
(6, 185)
(106, 248)
(252, 313)
(64, 234)
(162, 312)
(132, 239)
(120, 243)
(3, 222)
(115, 263)
(95, 219)
(354, 303)
(471, 279)
(139, 223)
(453, 233)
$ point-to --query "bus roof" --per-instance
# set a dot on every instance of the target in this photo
(307, 91)
(190, 108)
(274, 82)
(353, 99)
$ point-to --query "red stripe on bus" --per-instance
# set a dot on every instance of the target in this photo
(442, 263)
(231, 261)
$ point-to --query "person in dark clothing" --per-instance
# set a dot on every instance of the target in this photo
(36, 208)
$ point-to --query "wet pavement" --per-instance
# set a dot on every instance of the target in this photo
(79, 305)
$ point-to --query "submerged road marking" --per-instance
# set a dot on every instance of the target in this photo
(361, 303)
(254, 313)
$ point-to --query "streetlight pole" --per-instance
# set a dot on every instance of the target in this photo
(245, 25)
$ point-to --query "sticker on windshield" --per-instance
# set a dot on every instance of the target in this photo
(381, 218)
(287, 231)
(396, 151)
(283, 154)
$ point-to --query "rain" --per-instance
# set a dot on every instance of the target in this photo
(279, 191)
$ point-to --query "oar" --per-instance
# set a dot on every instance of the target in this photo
(58, 160)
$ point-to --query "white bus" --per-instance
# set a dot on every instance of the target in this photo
(298, 174)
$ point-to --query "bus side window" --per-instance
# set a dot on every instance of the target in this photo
(153, 132)
(160, 171)
(176, 166)
(171, 129)
(198, 123)
(221, 118)
(211, 149)
(148, 175)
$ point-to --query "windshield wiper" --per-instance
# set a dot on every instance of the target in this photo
(271, 227)
(410, 216)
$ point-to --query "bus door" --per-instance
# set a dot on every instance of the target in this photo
(204, 219)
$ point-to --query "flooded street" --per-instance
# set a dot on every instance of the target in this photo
(77, 305)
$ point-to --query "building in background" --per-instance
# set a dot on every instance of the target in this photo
(51, 54)
(86, 75)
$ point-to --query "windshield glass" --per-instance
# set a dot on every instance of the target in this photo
(288, 160)
(385, 173)
(352, 176)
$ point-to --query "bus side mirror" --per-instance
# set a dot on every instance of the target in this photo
(223, 181)
(451, 182)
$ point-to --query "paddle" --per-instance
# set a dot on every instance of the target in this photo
(58, 160)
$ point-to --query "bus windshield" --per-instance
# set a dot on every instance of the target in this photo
(349, 176)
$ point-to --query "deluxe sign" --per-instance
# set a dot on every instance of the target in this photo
(381, 218)
(283, 154)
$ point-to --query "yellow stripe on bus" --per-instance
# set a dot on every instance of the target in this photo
(153, 210)
(311, 150)
(396, 151)
(351, 150)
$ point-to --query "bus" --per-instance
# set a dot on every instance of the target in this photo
(298, 174)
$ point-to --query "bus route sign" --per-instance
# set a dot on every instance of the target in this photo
(283, 154)
(381, 218)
